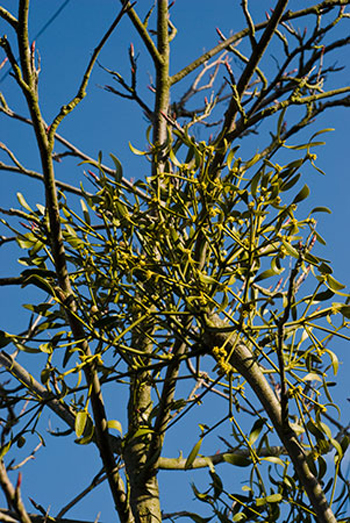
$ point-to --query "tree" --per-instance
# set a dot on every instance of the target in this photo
(198, 279)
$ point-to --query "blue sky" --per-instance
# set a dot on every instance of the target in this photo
(104, 122)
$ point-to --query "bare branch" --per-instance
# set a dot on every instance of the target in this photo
(57, 405)
(289, 15)
(6, 15)
(8, 516)
(68, 108)
(75, 151)
(250, 23)
(100, 478)
(141, 28)
(13, 495)
(38, 176)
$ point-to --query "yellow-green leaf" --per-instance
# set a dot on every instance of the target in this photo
(80, 422)
(114, 424)
(193, 454)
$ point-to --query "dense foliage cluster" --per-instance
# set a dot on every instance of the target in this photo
(199, 279)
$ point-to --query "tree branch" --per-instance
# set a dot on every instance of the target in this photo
(74, 150)
(289, 15)
(162, 83)
(144, 34)
(6, 15)
(7, 516)
(68, 108)
(38, 391)
(250, 68)
(13, 495)
(215, 459)
(244, 362)
(33, 174)
(64, 289)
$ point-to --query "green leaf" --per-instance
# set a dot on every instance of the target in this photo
(345, 443)
(173, 158)
(21, 442)
(199, 495)
(41, 208)
(334, 361)
(290, 249)
(255, 182)
(319, 238)
(313, 260)
(217, 484)
(298, 429)
(142, 432)
(275, 460)
(136, 151)
(274, 498)
(325, 269)
(107, 321)
(312, 376)
(231, 156)
(334, 285)
(196, 518)
(315, 430)
(237, 460)
(22, 202)
(45, 375)
(304, 193)
(321, 209)
(322, 466)
(94, 164)
(327, 130)
(239, 517)
(43, 308)
(288, 185)
(26, 241)
(114, 424)
(80, 422)
(46, 348)
(266, 274)
(205, 278)
(118, 168)
(337, 447)
(252, 161)
(345, 310)
(4, 449)
(5, 339)
(193, 454)
(280, 122)
(88, 432)
(256, 429)
(40, 282)
(85, 211)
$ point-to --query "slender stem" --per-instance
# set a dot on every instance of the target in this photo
(289, 15)
(74, 150)
(68, 108)
(33, 174)
(144, 34)
(6, 15)
(250, 68)
(13, 495)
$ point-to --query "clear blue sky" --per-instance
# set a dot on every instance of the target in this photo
(104, 122)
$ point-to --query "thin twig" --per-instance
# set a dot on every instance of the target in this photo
(68, 108)
(13, 495)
